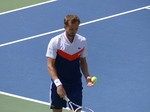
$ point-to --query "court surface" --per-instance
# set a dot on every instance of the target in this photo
(118, 35)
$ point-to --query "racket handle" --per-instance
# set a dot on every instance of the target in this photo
(66, 98)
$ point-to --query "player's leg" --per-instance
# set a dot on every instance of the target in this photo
(77, 111)
(57, 110)
(75, 95)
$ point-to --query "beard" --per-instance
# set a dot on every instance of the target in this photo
(71, 35)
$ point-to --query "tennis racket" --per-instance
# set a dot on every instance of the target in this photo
(79, 108)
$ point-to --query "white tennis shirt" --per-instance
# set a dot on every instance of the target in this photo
(67, 56)
(61, 45)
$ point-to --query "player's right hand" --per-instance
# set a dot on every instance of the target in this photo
(61, 91)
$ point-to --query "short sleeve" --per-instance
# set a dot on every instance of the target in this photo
(51, 49)
(85, 51)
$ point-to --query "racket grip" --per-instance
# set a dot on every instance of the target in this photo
(66, 98)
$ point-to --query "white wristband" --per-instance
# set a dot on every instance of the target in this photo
(57, 82)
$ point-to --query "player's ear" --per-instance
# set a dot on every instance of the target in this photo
(65, 26)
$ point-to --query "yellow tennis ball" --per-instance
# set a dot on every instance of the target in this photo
(94, 79)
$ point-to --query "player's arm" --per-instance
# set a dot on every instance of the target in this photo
(50, 66)
(84, 68)
(51, 69)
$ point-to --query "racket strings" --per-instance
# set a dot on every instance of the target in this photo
(71, 106)
(82, 110)
(75, 107)
(79, 108)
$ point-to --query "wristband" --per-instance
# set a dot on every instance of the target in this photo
(57, 82)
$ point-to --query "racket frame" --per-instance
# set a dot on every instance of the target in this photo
(78, 106)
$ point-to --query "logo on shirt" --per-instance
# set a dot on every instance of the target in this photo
(52, 106)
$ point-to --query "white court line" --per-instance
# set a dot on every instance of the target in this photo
(96, 20)
(148, 8)
(26, 7)
(20, 40)
(25, 98)
(127, 12)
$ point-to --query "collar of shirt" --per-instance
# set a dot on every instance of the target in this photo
(67, 40)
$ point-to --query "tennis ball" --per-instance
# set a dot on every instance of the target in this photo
(94, 79)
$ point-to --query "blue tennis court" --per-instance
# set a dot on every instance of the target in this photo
(118, 35)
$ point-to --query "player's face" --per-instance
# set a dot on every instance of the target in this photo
(71, 29)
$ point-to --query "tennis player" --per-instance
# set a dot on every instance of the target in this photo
(66, 54)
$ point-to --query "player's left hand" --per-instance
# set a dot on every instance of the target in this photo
(89, 82)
